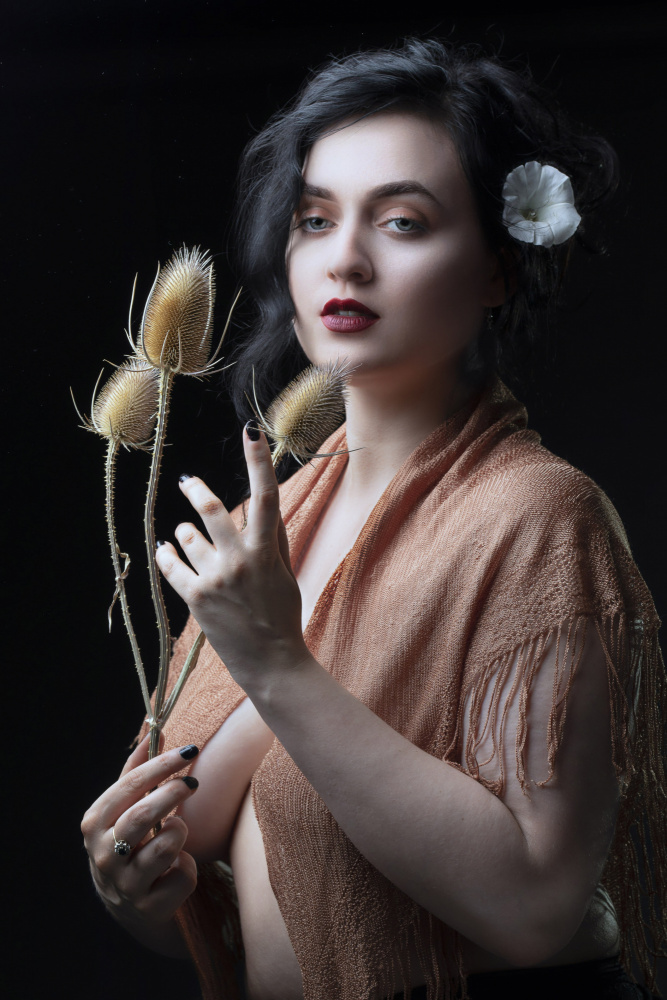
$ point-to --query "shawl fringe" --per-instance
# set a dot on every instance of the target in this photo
(209, 924)
(637, 861)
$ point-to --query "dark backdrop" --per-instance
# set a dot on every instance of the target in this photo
(122, 125)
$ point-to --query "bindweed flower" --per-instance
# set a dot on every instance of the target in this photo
(178, 318)
(307, 411)
(539, 205)
(125, 408)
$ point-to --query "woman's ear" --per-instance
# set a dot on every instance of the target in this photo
(503, 279)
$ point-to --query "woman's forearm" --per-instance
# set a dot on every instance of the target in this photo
(436, 833)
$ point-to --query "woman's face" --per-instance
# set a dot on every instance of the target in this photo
(387, 263)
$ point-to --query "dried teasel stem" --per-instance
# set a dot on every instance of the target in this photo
(121, 574)
(188, 667)
(123, 412)
(175, 337)
(165, 386)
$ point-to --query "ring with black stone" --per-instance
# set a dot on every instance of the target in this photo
(120, 847)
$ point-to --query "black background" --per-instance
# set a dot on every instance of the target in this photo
(122, 124)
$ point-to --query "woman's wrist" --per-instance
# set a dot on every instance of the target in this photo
(273, 685)
(164, 937)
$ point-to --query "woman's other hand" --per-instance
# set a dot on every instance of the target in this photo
(143, 888)
(239, 585)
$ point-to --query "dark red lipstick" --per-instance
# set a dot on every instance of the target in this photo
(347, 316)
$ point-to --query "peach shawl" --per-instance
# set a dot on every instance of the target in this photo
(483, 547)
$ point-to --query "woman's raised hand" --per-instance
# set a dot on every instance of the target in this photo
(143, 879)
(239, 585)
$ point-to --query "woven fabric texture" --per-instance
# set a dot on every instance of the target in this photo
(484, 550)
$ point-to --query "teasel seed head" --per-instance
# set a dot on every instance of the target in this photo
(126, 406)
(177, 323)
(307, 411)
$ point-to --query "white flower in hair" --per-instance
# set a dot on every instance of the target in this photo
(539, 205)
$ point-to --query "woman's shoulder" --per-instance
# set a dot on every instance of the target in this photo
(553, 537)
(534, 487)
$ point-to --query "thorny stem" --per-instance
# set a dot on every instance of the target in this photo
(279, 450)
(188, 667)
(112, 451)
(166, 379)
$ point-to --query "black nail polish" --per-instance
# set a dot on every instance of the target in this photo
(184, 477)
(158, 544)
(187, 753)
(190, 782)
(252, 431)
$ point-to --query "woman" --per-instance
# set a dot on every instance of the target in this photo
(433, 631)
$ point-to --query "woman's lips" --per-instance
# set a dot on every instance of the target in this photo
(347, 316)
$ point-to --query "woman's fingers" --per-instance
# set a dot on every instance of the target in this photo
(263, 519)
(132, 786)
(177, 882)
(244, 578)
(139, 755)
(129, 866)
(134, 824)
(264, 510)
(196, 547)
(264, 533)
(210, 508)
(151, 860)
(180, 576)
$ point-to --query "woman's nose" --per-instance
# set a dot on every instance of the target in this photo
(349, 258)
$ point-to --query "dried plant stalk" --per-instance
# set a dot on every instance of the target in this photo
(165, 384)
(124, 412)
(175, 338)
(132, 410)
(306, 412)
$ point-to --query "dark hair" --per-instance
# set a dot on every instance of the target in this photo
(498, 119)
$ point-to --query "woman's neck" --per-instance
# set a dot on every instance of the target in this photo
(386, 422)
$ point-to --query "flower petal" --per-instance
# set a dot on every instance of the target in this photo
(562, 220)
(539, 204)
(535, 181)
(524, 230)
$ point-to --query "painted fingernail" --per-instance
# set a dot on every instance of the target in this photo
(158, 544)
(252, 431)
(184, 477)
(191, 782)
(187, 753)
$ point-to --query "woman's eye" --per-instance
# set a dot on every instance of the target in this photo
(314, 224)
(401, 224)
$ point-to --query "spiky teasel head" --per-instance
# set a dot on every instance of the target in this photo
(126, 406)
(177, 323)
(307, 411)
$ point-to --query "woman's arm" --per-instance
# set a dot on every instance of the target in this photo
(513, 874)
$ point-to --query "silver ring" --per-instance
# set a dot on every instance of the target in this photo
(120, 847)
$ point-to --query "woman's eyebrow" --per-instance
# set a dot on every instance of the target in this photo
(388, 190)
(317, 192)
(402, 187)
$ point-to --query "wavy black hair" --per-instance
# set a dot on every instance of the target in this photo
(497, 117)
